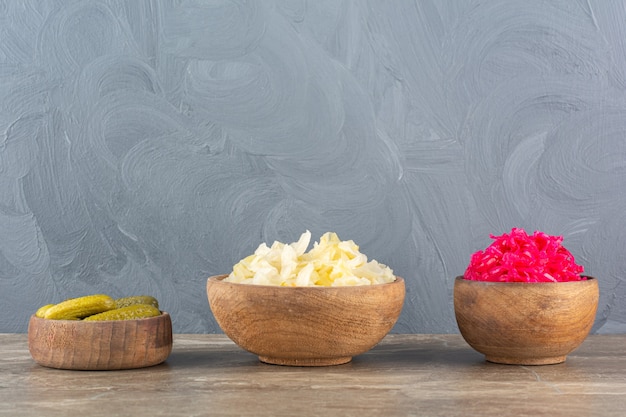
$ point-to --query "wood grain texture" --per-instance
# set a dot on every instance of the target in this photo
(305, 326)
(404, 375)
(528, 324)
(102, 345)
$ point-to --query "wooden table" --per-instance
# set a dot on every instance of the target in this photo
(405, 375)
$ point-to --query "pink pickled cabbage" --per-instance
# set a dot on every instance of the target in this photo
(518, 257)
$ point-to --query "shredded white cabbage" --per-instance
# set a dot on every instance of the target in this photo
(331, 262)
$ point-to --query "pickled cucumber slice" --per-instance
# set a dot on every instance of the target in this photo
(136, 299)
(78, 308)
(41, 311)
(132, 312)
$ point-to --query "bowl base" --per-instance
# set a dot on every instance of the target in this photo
(305, 362)
(505, 360)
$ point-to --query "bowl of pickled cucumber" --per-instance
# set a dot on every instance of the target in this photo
(99, 332)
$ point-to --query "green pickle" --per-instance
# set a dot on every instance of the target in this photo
(78, 308)
(131, 312)
(41, 311)
(136, 299)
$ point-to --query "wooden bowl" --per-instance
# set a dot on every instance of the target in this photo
(525, 323)
(305, 326)
(100, 345)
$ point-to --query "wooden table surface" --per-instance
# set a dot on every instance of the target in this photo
(405, 375)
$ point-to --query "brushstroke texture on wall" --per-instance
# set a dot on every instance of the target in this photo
(145, 145)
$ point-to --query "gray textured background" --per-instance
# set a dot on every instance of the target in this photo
(145, 145)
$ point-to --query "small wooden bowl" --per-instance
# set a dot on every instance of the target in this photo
(305, 326)
(525, 323)
(100, 345)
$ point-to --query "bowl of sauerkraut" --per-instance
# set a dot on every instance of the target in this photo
(318, 307)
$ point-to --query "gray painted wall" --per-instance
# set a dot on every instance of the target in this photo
(145, 145)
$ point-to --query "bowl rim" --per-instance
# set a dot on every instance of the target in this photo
(220, 279)
(589, 279)
(88, 323)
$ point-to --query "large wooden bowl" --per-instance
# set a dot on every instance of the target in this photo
(100, 345)
(525, 323)
(305, 326)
